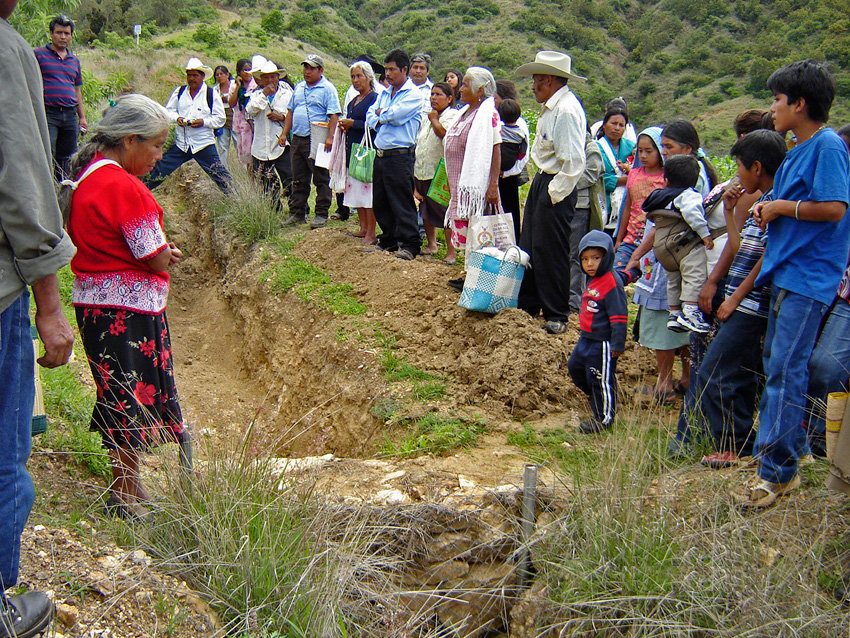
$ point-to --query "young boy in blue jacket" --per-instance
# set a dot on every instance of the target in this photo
(602, 319)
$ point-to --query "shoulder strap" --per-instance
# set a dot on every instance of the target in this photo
(91, 169)
(209, 95)
(607, 151)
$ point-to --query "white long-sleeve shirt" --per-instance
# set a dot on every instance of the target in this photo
(266, 132)
(190, 108)
(559, 143)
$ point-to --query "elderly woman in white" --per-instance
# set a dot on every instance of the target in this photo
(472, 153)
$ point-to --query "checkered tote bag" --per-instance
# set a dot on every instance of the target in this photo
(491, 284)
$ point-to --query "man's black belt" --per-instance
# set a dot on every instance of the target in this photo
(410, 150)
(59, 107)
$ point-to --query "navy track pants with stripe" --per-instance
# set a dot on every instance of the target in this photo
(593, 370)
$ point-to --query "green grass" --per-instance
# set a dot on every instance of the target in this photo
(308, 282)
(555, 447)
(436, 433)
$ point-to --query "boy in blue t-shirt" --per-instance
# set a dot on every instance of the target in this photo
(803, 263)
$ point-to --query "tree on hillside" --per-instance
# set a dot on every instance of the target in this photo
(32, 17)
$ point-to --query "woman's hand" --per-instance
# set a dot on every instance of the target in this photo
(346, 123)
(238, 81)
(492, 195)
(624, 166)
(433, 115)
(176, 253)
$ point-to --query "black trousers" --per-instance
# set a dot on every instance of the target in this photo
(546, 238)
(395, 208)
(303, 170)
(64, 128)
(275, 176)
(509, 194)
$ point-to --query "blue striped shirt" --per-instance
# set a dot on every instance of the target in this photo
(753, 242)
(60, 76)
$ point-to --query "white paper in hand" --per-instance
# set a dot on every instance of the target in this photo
(323, 157)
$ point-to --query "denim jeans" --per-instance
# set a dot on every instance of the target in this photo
(729, 382)
(791, 332)
(207, 158)
(63, 126)
(17, 392)
(829, 369)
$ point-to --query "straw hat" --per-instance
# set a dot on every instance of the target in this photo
(550, 63)
(257, 61)
(267, 67)
(194, 64)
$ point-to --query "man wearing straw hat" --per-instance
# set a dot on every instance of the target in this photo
(313, 110)
(558, 152)
(33, 246)
(267, 106)
(197, 115)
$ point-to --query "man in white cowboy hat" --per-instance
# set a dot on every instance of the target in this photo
(197, 114)
(315, 101)
(267, 106)
(558, 152)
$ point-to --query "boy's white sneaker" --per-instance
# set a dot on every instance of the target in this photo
(673, 321)
(692, 319)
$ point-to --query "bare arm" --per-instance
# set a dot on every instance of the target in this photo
(734, 300)
(332, 123)
(492, 195)
(644, 247)
(809, 211)
(84, 125)
(287, 126)
(627, 213)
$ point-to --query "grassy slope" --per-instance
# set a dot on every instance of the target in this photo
(668, 58)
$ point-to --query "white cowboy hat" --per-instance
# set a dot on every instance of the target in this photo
(550, 63)
(257, 61)
(267, 67)
(194, 64)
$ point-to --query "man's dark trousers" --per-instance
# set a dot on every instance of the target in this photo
(207, 158)
(546, 238)
(392, 198)
(64, 129)
(303, 170)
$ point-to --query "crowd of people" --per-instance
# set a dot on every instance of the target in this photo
(760, 325)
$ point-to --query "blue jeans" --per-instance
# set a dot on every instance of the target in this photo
(729, 380)
(829, 369)
(17, 392)
(792, 327)
(207, 158)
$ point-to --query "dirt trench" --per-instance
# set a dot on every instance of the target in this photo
(308, 380)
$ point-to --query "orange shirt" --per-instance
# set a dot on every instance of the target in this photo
(639, 184)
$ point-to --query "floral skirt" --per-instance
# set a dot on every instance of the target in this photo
(130, 358)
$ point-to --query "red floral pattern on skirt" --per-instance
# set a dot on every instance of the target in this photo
(130, 358)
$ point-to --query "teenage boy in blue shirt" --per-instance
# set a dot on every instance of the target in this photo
(803, 262)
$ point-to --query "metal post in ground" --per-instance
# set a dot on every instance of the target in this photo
(529, 501)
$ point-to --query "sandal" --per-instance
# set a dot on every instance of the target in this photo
(720, 460)
(664, 398)
(429, 251)
(116, 508)
(679, 388)
(450, 262)
(758, 493)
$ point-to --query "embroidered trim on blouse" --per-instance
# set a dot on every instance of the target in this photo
(131, 290)
(144, 236)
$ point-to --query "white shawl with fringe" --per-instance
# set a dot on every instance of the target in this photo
(485, 129)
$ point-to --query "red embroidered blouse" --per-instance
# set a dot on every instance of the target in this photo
(116, 225)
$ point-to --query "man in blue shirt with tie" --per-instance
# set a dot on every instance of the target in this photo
(314, 101)
(396, 116)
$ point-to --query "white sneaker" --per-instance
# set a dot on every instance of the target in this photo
(692, 319)
(673, 321)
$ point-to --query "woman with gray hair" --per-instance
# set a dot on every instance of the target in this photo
(359, 194)
(472, 154)
(121, 288)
